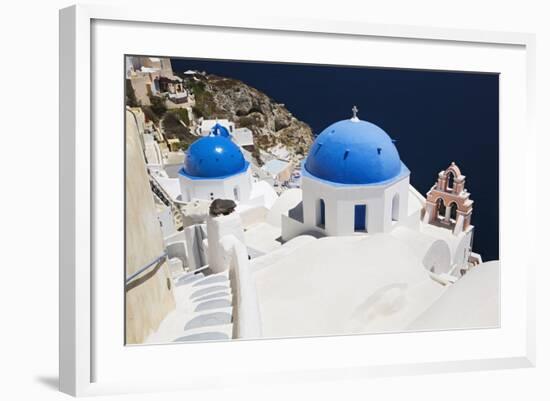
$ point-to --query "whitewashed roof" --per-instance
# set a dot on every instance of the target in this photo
(344, 285)
(275, 166)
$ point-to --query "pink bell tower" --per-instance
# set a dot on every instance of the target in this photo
(448, 203)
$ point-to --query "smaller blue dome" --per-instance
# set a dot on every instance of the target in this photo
(220, 130)
(213, 157)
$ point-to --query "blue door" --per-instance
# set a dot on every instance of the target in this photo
(360, 217)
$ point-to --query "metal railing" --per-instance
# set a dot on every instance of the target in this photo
(154, 262)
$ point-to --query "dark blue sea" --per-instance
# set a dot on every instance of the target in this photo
(435, 117)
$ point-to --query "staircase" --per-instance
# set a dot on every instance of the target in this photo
(165, 199)
(204, 309)
(211, 307)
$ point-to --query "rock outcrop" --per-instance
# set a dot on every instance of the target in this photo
(275, 130)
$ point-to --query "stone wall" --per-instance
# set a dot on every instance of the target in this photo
(149, 297)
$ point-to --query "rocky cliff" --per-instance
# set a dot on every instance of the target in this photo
(275, 130)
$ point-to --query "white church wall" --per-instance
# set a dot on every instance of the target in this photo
(201, 189)
(414, 209)
(340, 202)
(462, 251)
(398, 191)
(310, 196)
(210, 189)
(242, 183)
(341, 220)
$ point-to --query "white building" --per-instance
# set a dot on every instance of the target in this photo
(242, 137)
(278, 170)
(207, 126)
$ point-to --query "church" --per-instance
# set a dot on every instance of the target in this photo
(354, 183)
(215, 167)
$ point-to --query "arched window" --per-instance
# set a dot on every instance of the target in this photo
(395, 208)
(440, 207)
(321, 213)
(454, 207)
(450, 181)
(361, 216)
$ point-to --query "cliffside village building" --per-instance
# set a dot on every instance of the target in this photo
(354, 249)
(153, 76)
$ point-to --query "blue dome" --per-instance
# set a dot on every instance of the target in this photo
(213, 157)
(220, 130)
(353, 152)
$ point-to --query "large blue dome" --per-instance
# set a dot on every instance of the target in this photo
(353, 152)
(213, 157)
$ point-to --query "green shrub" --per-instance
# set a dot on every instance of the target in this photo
(197, 87)
(197, 112)
(150, 114)
(173, 127)
(182, 114)
(158, 106)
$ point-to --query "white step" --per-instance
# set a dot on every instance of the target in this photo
(215, 303)
(190, 279)
(212, 279)
(208, 289)
(211, 333)
(212, 317)
(215, 295)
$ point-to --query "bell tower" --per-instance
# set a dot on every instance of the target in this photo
(448, 203)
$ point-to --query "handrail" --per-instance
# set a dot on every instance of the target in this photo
(147, 266)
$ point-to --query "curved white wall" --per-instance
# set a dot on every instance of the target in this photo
(433, 252)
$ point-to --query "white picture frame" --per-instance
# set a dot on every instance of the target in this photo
(84, 355)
